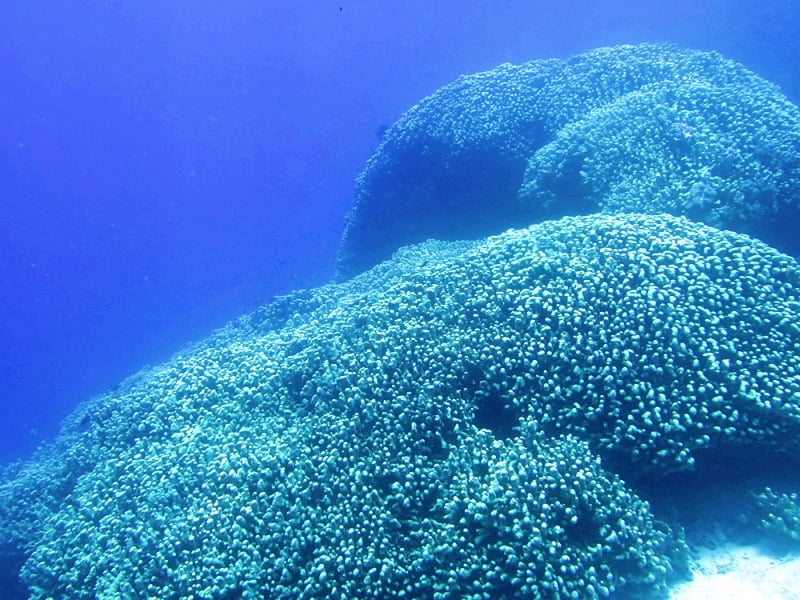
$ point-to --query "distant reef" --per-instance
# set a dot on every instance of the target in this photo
(539, 413)
(648, 128)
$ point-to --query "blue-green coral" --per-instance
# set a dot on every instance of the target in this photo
(692, 148)
(649, 128)
(776, 515)
(432, 428)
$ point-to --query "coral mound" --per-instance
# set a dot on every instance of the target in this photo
(449, 424)
(649, 128)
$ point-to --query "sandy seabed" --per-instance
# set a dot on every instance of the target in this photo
(734, 572)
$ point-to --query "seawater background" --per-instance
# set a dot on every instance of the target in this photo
(167, 166)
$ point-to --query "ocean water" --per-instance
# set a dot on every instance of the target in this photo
(571, 408)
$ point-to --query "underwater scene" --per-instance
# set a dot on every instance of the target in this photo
(557, 356)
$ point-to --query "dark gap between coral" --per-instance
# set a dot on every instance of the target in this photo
(718, 491)
(495, 413)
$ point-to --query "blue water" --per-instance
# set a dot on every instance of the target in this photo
(165, 169)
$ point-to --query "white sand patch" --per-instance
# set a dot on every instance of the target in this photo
(732, 572)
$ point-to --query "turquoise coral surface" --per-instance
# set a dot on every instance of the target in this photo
(495, 418)
(650, 128)
(434, 427)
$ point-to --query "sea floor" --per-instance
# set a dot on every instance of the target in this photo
(735, 572)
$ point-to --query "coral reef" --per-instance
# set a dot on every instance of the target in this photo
(649, 128)
(706, 151)
(476, 419)
(776, 515)
(447, 424)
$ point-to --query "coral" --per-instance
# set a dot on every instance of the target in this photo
(447, 424)
(690, 148)
(632, 128)
(776, 515)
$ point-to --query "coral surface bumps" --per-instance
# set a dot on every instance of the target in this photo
(440, 426)
(649, 128)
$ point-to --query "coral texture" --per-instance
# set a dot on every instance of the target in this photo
(649, 128)
(444, 425)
